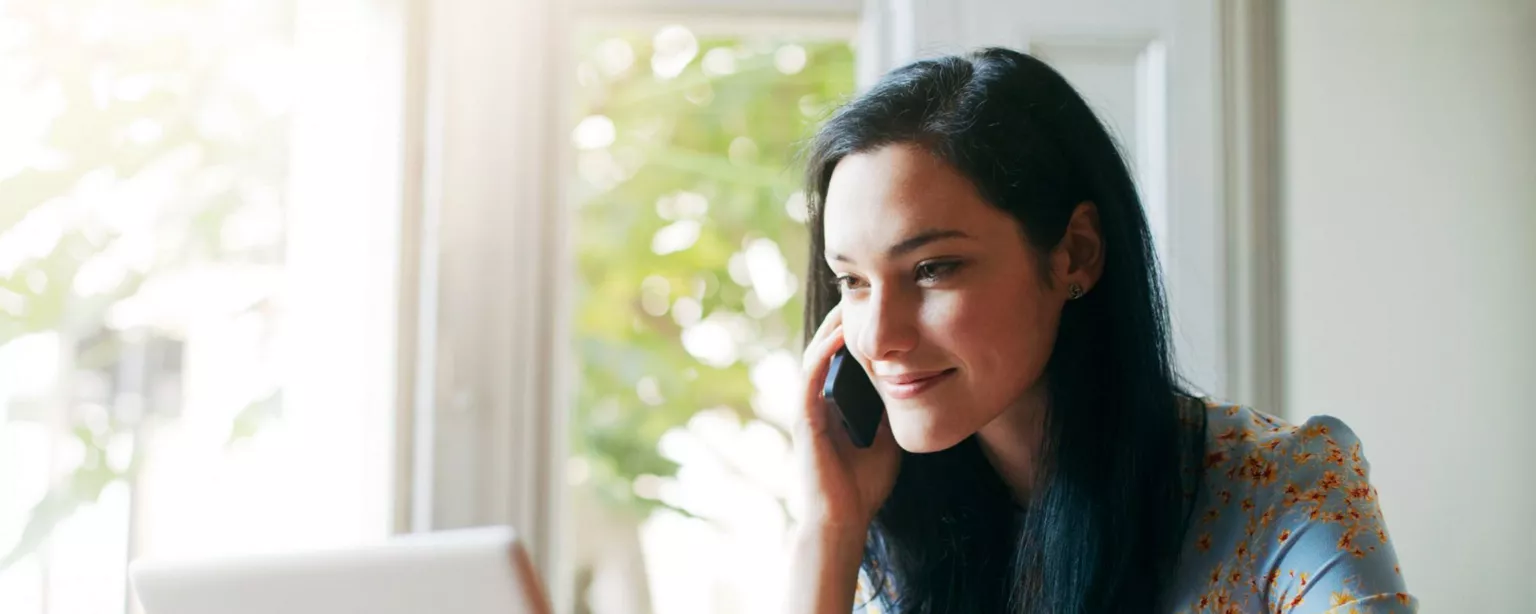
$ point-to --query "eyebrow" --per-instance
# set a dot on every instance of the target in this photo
(913, 242)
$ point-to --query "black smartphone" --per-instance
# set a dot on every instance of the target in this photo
(850, 393)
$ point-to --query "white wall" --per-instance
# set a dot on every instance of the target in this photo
(1409, 133)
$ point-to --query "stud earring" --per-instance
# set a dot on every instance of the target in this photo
(1074, 292)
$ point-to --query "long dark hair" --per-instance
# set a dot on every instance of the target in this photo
(1103, 528)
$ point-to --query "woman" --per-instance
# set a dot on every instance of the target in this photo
(979, 248)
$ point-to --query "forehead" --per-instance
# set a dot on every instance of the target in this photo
(877, 198)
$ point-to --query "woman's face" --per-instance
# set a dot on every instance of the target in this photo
(944, 302)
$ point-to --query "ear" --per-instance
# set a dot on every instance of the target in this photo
(1079, 257)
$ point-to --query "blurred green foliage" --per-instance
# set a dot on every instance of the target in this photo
(726, 130)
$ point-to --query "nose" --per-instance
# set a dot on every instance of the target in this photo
(890, 324)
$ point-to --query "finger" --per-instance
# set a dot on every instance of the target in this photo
(833, 320)
(819, 357)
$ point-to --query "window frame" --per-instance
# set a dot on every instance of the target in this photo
(478, 446)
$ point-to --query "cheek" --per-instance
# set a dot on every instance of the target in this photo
(1002, 335)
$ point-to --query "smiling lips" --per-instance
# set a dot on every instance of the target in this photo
(912, 383)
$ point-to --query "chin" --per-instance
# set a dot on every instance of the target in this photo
(916, 433)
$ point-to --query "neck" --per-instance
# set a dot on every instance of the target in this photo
(1011, 442)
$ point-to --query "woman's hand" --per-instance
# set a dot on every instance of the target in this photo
(842, 485)
(841, 488)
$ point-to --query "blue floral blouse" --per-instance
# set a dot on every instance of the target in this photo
(1285, 521)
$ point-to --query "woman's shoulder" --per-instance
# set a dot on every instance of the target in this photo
(1317, 467)
(1268, 468)
(1280, 502)
(1253, 451)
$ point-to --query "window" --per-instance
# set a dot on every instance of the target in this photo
(198, 214)
(690, 243)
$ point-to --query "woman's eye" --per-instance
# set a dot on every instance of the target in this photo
(847, 282)
(934, 271)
